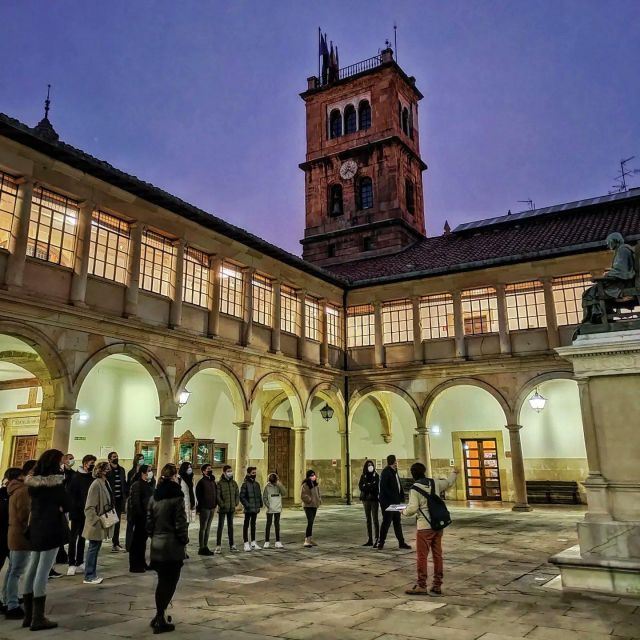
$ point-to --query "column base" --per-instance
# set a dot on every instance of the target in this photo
(522, 507)
(80, 304)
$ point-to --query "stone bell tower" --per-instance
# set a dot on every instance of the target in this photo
(363, 171)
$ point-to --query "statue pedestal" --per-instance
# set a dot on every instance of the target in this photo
(607, 558)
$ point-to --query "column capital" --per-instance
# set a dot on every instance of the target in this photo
(62, 413)
(513, 427)
(422, 431)
(20, 180)
(243, 425)
(166, 419)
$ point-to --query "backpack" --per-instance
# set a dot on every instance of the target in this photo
(440, 516)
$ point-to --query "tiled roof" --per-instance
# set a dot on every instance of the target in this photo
(563, 231)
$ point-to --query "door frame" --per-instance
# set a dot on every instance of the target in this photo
(481, 468)
(281, 424)
(22, 423)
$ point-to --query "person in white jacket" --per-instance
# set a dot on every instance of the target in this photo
(427, 539)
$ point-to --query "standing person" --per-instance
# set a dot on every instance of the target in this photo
(78, 490)
(272, 499)
(48, 530)
(251, 500)
(169, 530)
(310, 495)
(368, 485)
(132, 474)
(140, 493)
(228, 500)
(68, 461)
(391, 492)
(423, 492)
(186, 484)
(118, 483)
(138, 461)
(206, 503)
(4, 525)
(100, 501)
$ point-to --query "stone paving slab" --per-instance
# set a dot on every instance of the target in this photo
(495, 571)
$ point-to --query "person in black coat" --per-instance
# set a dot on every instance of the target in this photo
(169, 530)
(391, 492)
(206, 503)
(368, 485)
(78, 488)
(140, 494)
(117, 479)
(48, 530)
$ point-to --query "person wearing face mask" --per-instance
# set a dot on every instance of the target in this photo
(132, 475)
(138, 461)
(207, 501)
(68, 462)
(369, 496)
(228, 500)
(272, 499)
(391, 492)
(251, 500)
(311, 500)
(117, 479)
(139, 495)
(186, 484)
(78, 490)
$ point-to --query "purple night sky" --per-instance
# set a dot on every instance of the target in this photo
(522, 99)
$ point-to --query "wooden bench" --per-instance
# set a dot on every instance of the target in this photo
(552, 492)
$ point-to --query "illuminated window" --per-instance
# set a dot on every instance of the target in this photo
(312, 317)
(525, 305)
(364, 112)
(52, 227)
(397, 321)
(350, 119)
(436, 317)
(262, 300)
(480, 311)
(361, 326)
(195, 286)
(158, 264)
(334, 325)
(289, 310)
(109, 247)
(567, 296)
(231, 289)
(8, 197)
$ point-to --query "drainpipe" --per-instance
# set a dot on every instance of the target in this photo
(347, 461)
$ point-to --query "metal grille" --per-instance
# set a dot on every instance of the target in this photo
(195, 288)
(109, 247)
(359, 67)
(567, 296)
(397, 321)
(525, 305)
(289, 310)
(361, 326)
(231, 289)
(312, 316)
(262, 300)
(8, 198)
(158, 264)
(480, 311)
(436, 317)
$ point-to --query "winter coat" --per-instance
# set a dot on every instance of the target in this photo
(111, 479)
(140, 494)
(48, 525)
(250, 495)
(272, 497)
(310, 495)
(418, 504)
(4, 521)
(167, 524)
(69, 475)
(19, 509)
(78, 489)
(188, 507)
(99, 501)
(369, 486)
(228, 495)
(206, 493)
(391, 491)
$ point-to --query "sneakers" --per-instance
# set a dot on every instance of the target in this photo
(247, 546)
(307, 542)
(218, 550)
(71, 571)
(92, 581)
(313, 542)
(368, 543)
(417, 590)
(233, 548)
(436, 590)
(54, 574)
(266, 545)
(205, 551)
(16, 613)
(404, 545)
(80, 568)
(279, 545)
(116, 549)
(254, 545)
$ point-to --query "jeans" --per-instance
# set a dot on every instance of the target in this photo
(371, 513)
(275, 517)
(310, 512)
(168, 577)
(76, 543)
(428, 539)
(206, 517)
(91, 563)
(221, 519)
(138, 545)
(35, 579)
(387, 518)
(118, 505)
(249, 519)
(18, 561)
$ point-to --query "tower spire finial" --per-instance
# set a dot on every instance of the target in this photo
(47, 103)
(44, 128)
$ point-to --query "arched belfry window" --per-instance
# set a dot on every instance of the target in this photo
(364, 113)
(409, 196)
(335, 200)
(365, 193)
(350, 123)
(335, 124)
(405, 120)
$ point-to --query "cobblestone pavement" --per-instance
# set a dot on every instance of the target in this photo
(495, 571)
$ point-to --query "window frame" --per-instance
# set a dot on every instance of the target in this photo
(334, 325)
(350, 113)
(335, 124)
(442, 303)
(362, 181)
(167, 248)
(262, 300)
(101, 222)
(195, 260)
(519, 303)
(400, 326)
(338, 189)
(290, 304)
(312, 319)
(8, 190)
(557, 287)
(479, 295)
(361, 311)
(364, 107)
(410, 196)
(231, 297)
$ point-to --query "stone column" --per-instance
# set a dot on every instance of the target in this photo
(302, 338)
(247, 323)
(213, 322)
(517, 468)
(343, 464)
(418, 353)
(299, 462)
(277, 312)
(324, 333)
(167, 433)
(175, 312)
(81, 261)
(503, 322)
(458, 325)
(379, 334)
(242, 449)
(61, 419)
(553, 337)
(132, 291)
(14, 273)
(423, 449)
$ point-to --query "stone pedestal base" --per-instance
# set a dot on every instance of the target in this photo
(610, 540)
(615, 577)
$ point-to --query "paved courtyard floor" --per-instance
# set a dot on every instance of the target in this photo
(495, 574)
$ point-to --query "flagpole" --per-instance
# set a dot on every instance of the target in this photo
(319, 48)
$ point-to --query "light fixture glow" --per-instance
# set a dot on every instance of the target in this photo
(326, 412)
(537, 402)
(83, 417)
(184, 398)
(435, 429)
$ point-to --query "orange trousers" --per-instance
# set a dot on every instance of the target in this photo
(429, 540)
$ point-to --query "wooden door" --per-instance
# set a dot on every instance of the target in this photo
(24, 448)
(482, 475)
(279, 454)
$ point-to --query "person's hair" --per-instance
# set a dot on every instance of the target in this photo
(204, 467)
(69, 456)
(100, 468)
(183, 469)
(112, 453)
(226, 468)
(367, 463)
(49, 463)
(273, 478)
(391, 459)
(144, 468)
(307, 480)
(418, 470)
(169, 471)
(88, 458)
(28, 466)
(13, 473)
(250, 469)
(138, 456)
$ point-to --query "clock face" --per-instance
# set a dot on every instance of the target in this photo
(348, 169)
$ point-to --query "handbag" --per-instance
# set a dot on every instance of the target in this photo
(109, 518)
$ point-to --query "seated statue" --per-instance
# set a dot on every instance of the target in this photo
(610, 286)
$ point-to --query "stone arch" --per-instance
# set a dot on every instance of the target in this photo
(332, 395)
(358, 396)
(166, 396)
(297, 405)
(534, 382)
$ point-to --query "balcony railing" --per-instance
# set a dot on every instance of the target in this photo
(359, 67)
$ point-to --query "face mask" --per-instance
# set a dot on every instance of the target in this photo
(149, 476)
(140, 461)
(229, 474)
(115, 461)
(189, 471)
(370, 469)
(253, 476)
(90, 468)
(209, 473)
(70, 463)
